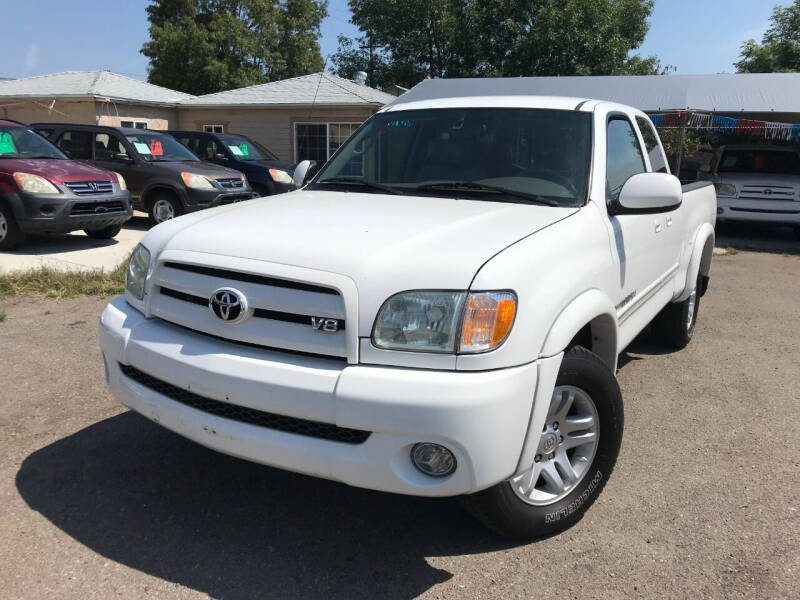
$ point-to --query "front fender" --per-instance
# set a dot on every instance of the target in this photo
(590, 307)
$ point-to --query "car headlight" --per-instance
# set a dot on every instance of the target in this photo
(120, 181)
(280, 176)
(726, 189)
(198, 182)
(444, 322)
(34, 184)
(136, 275)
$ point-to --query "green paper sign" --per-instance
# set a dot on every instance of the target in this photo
(7, 143)
(244, 149)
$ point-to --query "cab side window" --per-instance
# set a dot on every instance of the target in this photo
(658, 161)
(624, 157)
(77, 144)
(207, 148)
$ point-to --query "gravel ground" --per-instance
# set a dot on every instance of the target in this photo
(96, 502)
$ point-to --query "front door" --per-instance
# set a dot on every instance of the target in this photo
(110, 153)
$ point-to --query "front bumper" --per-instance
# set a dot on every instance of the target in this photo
(62, 213)
(200, 199)
(482, 417)
(772, 211)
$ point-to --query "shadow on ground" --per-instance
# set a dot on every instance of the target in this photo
(44, 244)
(757, 237)
(646, 344)
(142, 496)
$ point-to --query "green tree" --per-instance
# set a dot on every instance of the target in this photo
(405, 41)
(779, 50)
(205, 46)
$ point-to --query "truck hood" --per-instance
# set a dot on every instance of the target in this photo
(765, 179)
(384, 243)
(56, 170)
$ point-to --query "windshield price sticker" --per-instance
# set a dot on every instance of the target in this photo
(7, 144)
(141, 148)
(236, 150)
(244, 149)
(156, 148)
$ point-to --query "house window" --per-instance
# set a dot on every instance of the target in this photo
(318, 141)
(126, 123)
(141, 125)
(134, 124)
(213, 129)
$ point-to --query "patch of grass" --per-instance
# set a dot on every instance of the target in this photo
(2, 316)
(729, 251)
(46, 282)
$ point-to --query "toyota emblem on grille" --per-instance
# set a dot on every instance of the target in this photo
(228, 305)
(767, 192)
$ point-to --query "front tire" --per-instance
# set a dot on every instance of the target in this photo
(10, 235)
(106, 233)
(674, 325)
(163, 208)
(576, 454)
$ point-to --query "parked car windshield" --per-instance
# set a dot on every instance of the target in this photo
(21, 142)
(157, 147)
(504, 154)
(245, 149)
(784, 162)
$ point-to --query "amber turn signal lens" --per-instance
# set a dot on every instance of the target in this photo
(488, 317)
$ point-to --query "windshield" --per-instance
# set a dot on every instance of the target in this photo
(502, 154)
(21, 142)
(783, 162)
(245, 149)
(157, 147)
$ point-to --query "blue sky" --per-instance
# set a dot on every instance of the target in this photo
(46, 36)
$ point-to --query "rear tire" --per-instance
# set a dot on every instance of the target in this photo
(588, 401)
(163, 208)
(10, 235)
(106, 233)
(675, 324)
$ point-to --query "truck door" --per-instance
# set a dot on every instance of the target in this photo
(638, 239)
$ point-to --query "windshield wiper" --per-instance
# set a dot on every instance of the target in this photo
(353, 181)
(475, 186)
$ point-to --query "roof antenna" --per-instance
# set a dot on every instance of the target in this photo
(319, 81)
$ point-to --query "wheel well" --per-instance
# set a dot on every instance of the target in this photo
(600, 336)
(154, 192)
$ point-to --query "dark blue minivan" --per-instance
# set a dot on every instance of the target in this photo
(266, 173)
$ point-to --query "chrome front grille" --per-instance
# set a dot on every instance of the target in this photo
(232, 183)
(768, 192)
(89, 188)
(281, 313)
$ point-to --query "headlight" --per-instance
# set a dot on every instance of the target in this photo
(198, 182)
(280, 176)
(137, 272)
(726, 189)
(34, 184)
(445, 322)
(419, 321)
(120, 181)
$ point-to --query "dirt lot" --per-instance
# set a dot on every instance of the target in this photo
(97, 502)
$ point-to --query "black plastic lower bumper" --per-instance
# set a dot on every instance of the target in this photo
(60, 213)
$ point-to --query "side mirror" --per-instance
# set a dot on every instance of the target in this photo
(304, 171)
(121, 156)
(220, 156)
(648, 193)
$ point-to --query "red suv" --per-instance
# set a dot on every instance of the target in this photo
(43, 191)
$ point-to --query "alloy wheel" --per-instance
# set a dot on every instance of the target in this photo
(163, 210)
(566, 448)
(3, 227)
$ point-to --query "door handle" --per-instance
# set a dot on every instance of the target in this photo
(659, 226)
(669, 222)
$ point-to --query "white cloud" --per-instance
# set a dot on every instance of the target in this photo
(31, 57)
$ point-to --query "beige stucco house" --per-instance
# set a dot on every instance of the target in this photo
(298, 118)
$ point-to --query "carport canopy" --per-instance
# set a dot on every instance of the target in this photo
(723, 93)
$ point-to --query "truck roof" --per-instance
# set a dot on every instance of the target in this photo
(487, 101)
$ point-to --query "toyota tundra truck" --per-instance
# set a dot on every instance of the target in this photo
(437, 312)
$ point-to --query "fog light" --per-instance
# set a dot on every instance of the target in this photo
(433, 459)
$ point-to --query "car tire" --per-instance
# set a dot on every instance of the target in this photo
(106, 233)
(10, 234)
(674, 325)
(528, 505)
(797, 232)
(163, 208)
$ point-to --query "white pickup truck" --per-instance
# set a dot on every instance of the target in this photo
(438, 312)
